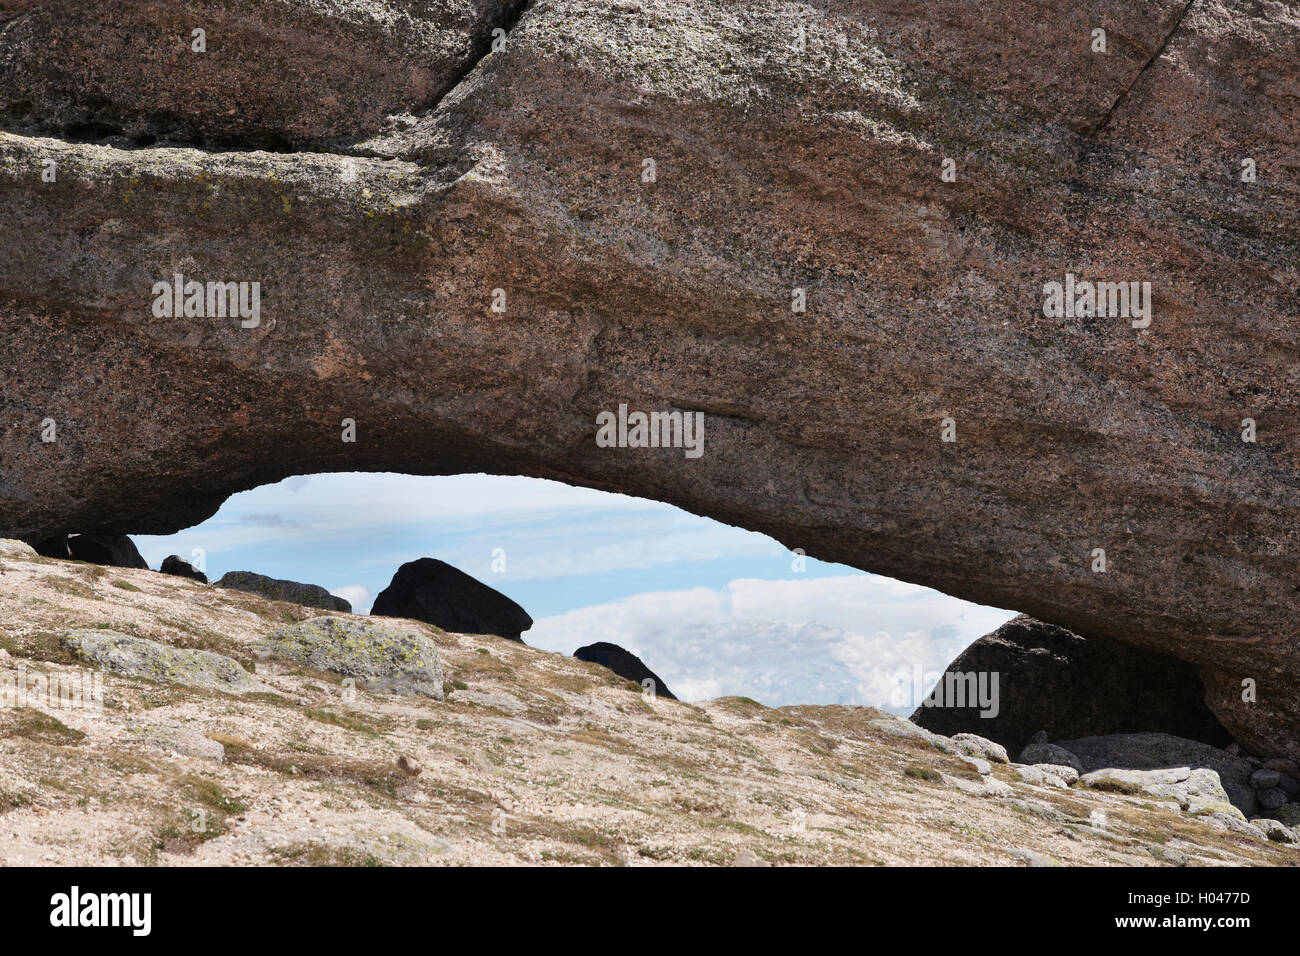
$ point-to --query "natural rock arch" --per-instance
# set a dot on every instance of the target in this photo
(777, 167)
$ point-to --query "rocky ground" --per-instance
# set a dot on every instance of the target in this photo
(529, 758)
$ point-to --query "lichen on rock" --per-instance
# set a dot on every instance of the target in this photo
(383, 660)
(130, 656)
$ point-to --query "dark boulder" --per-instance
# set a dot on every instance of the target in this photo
(623, 663)
(55, 546)
(433, 591)
(276, 589)
(172, 564)
(1051, 679)
(113, 550)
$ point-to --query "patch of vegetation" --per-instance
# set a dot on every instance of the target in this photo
(1115, 786)
(319, 854)
(39, 727)
(70, 587)
(46, 646)
(125, 585)
(917, 772)
(357, 724)
(381, 777)
(746, 706)
(9, 800)
(205, 807)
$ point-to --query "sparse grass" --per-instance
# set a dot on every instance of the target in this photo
(917, 772)
(70, 587)
(1115, 786)
(39, 727)
(745, 706)
(10, 800)
(125, 585)
(200, 815)
(320, 854)
(356, 724)
(381, 777)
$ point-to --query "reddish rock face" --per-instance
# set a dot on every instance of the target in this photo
(792, 149)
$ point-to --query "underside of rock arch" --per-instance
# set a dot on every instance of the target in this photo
(460, 246)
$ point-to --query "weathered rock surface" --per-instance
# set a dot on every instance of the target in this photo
(10, 547)
(277, 589)
(380, 659)
(623, 663)
(1193, 789)
(776, 168)
(1163, 751)
(1040, 751)
(1051, 679)
(139, 657)
(174, 564)
(1055, 775)
(113, 550)
(433, 591)
(1276, 831)
(977, 746)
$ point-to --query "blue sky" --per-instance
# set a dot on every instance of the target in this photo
(712, 609)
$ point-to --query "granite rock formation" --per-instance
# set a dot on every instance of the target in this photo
(174, 564)
(433, 591)
(477, 247)
(113, 550)
(1052, 680)
(278, 589)
(623, 663)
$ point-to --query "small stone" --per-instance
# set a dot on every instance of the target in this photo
(409, 766)
(981, 767)
(1272, 799)
(1038, 750)
(1265, 779)
(1282, 765)
(1032, 858)
(974, 745)
(1275, 830)
(745, 858)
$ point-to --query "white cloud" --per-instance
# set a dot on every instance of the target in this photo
(358, 595)
(855, 639)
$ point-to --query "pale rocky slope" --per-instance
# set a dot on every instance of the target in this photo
(531, 758)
